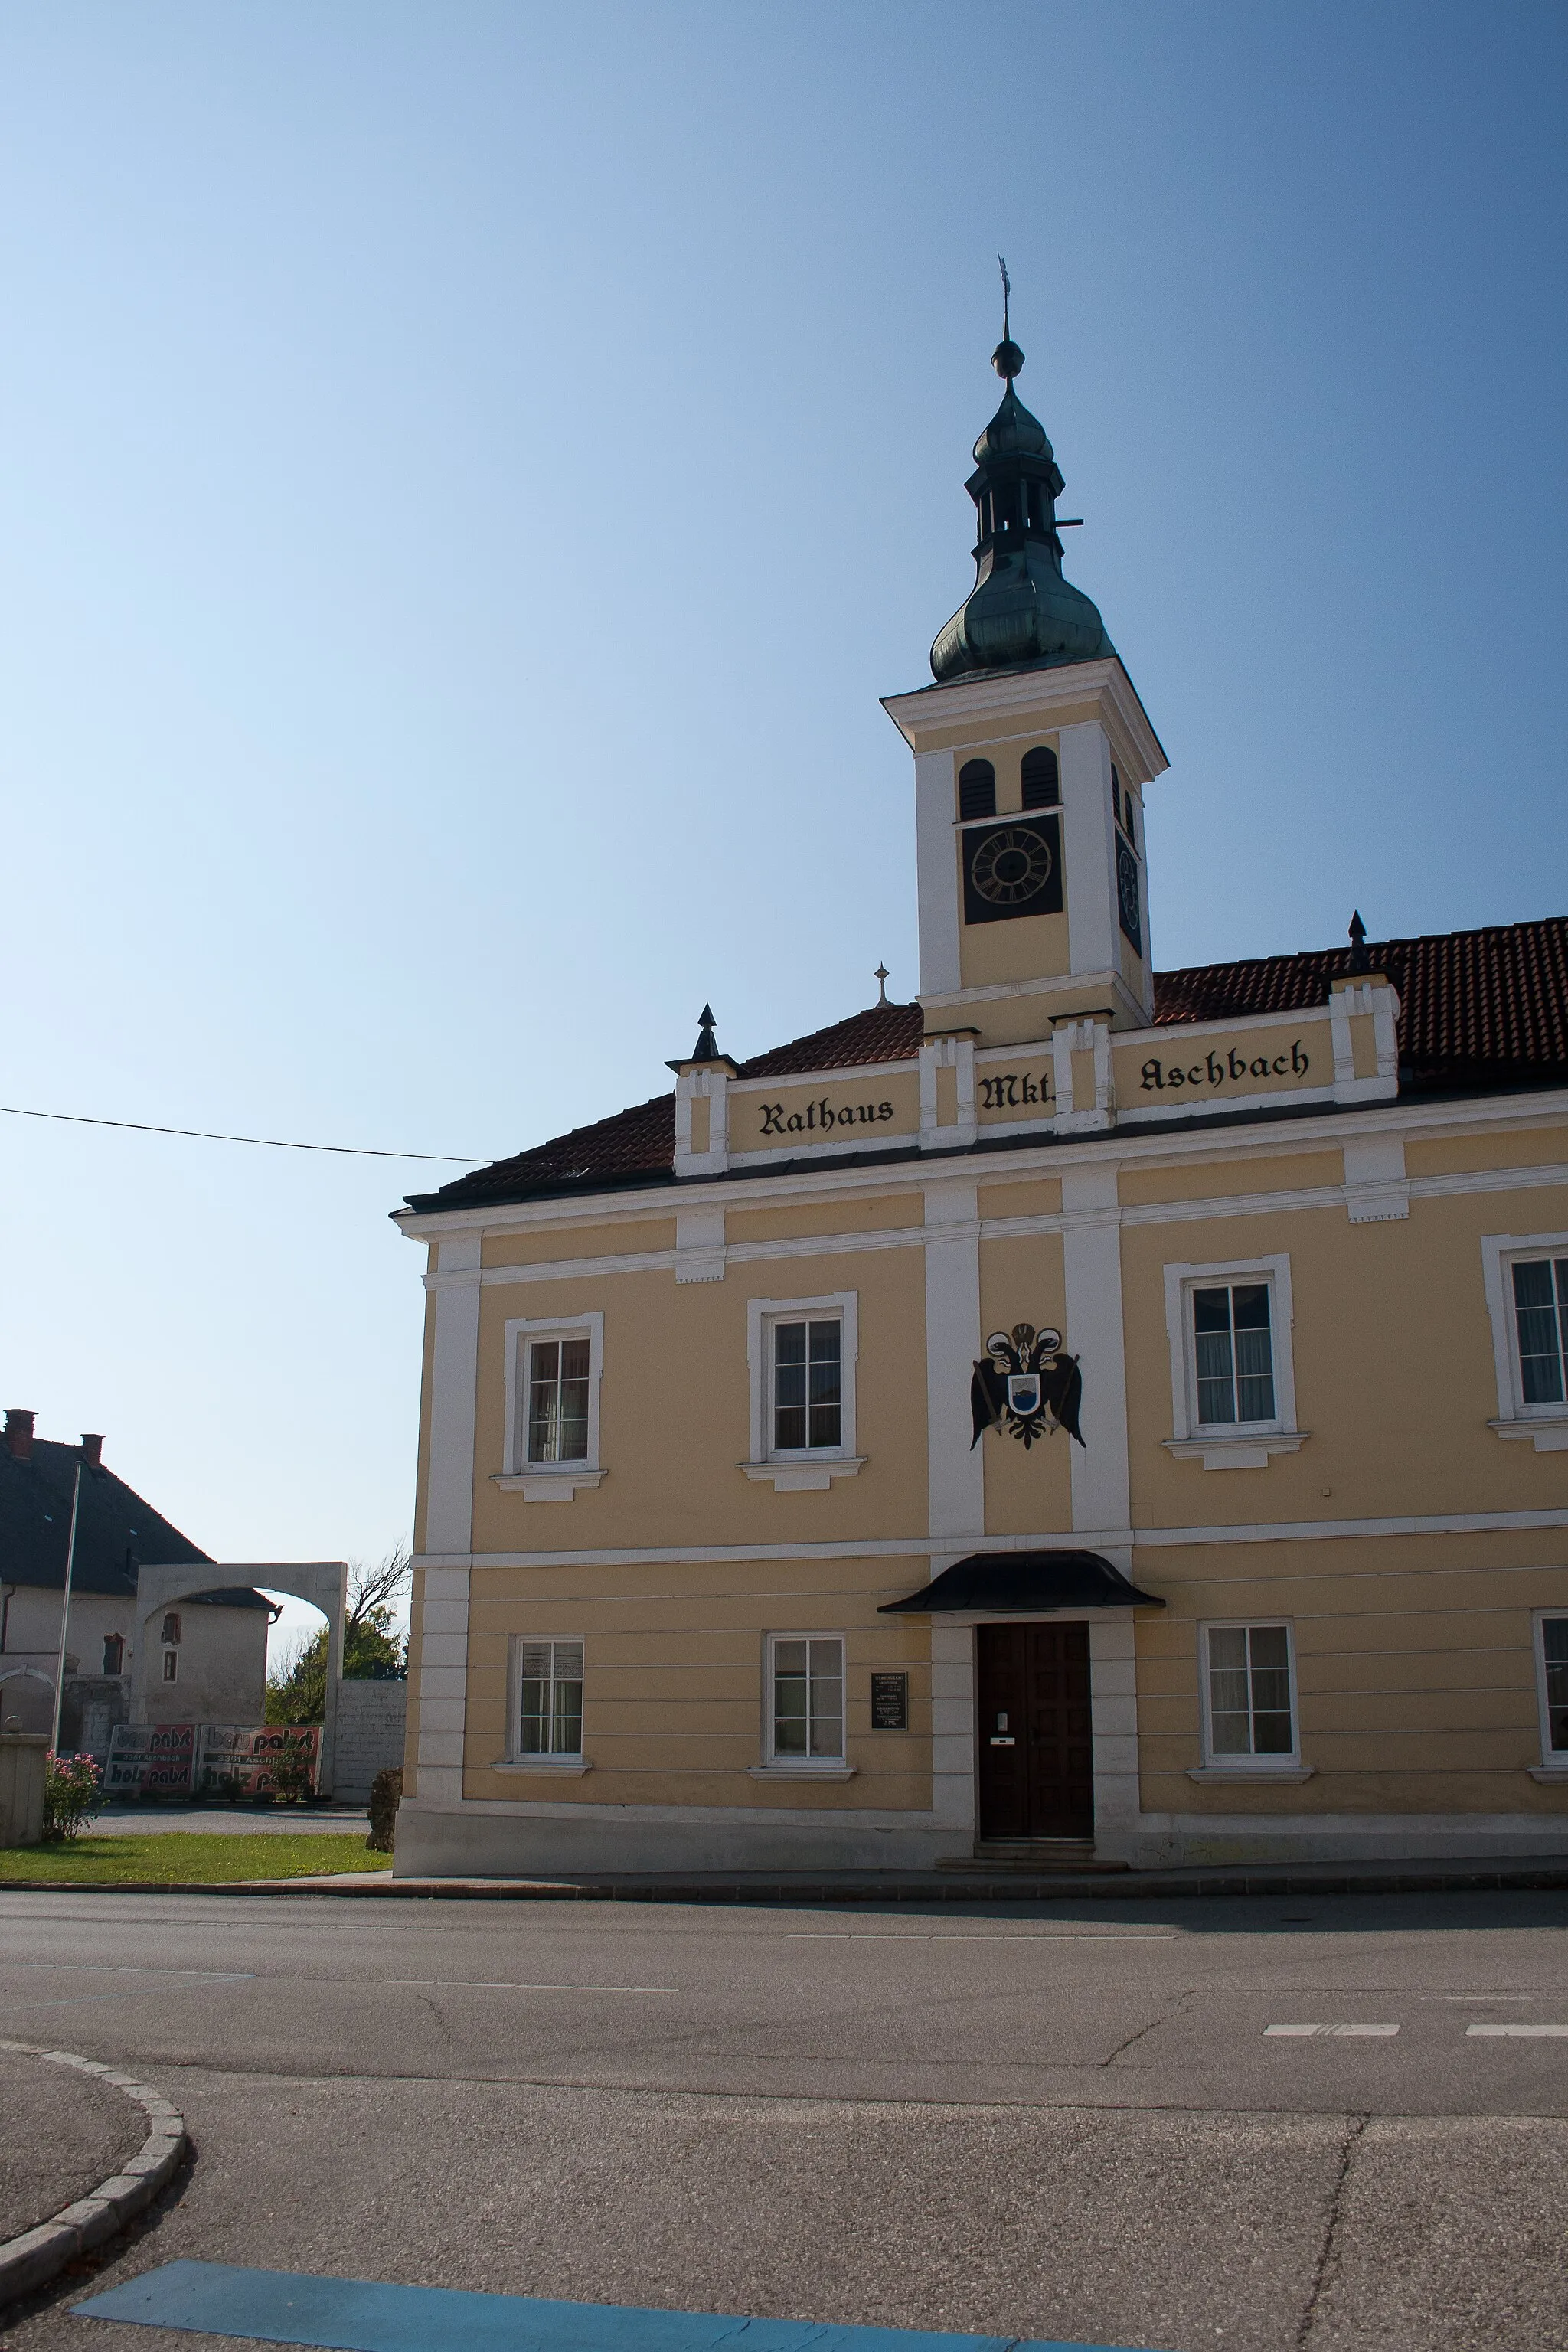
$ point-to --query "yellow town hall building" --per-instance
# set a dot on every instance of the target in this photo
(1088, 1413)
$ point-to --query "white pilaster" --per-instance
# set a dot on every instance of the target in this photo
(1375, 1182)
(1377, 999)
(1091, 1257)
(1113, 1700)
(709, 1085)
(1088, 848)
(449, 1518)
(953, 1798)
(936, 865)
(699, 1244)
(957, 1055)
(955, 1470)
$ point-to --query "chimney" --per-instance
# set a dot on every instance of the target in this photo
(92, 1448)
(19, 1431)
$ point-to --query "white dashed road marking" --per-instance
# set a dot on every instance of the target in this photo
(1349, 2033)
(1520, 2033)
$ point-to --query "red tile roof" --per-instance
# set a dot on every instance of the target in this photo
(1476, 1008)
(888, 1033)
(1479, 1009)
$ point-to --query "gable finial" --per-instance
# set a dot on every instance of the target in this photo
(881, 976)
(707, 1046)
(1359, 960)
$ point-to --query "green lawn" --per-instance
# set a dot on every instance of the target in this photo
(189, 1859)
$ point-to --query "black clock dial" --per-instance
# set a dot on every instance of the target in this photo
(1127, 895)
(1011, 865)
(1012, 869)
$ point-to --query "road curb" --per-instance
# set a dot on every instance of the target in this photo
(1522, 1876)
(30, 2260)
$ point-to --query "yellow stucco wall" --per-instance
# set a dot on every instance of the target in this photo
(673, 1685)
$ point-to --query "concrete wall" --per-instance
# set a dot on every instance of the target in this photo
(370, 1719)
(21, 1788)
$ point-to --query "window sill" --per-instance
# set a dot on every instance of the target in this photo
(803, 1771)
(1550, 1431)
(811, 1474)
(1235, 1773)
(1551, 1776)
(564, 1768)
(545, 1482)
(1244, 1451)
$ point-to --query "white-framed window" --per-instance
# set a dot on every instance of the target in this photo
(1552, 1685)
(171, 1666)
(1249, 1694)
(170, 1633)
(114, 1653)
(554, 1368)
(1526, 1279)
(547, 1698)
(805, 1700)
(802, 1354)
(1233, 1382)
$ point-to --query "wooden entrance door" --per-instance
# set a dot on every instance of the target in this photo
(1036, 1737)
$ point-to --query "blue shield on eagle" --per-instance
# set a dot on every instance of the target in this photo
(1025, 1384)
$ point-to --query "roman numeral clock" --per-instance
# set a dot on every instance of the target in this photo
(1013, 870)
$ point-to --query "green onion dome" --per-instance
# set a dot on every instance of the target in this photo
(1021, 614)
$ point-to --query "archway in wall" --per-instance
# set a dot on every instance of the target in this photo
(29, 1696)
(322, 1583)
(299, 1625)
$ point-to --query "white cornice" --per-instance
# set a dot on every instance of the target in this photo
(931, 708)
(1255, 1140)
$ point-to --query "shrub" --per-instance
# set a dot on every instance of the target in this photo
(386, 1792)
(293, 1775)
(72, 1795)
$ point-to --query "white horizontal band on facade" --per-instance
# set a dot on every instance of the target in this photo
(1163, 1212)
(1458, 1523)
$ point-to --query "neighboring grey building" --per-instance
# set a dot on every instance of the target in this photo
(202, 1660)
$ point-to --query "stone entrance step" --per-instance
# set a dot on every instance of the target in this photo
(1033, 1854)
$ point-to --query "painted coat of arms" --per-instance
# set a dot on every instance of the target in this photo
(1025, 1384)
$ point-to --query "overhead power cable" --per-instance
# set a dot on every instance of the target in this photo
(269, 1142)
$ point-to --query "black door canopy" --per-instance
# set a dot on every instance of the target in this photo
(1025, 1584)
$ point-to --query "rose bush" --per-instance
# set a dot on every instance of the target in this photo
(72, 1795)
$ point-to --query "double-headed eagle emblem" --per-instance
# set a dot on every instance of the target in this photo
(1025, 1383)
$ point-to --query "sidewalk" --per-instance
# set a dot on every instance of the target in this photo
(230, 1820)
(64, 2133)
(1522, 1873)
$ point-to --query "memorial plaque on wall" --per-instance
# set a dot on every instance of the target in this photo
(889, 1702)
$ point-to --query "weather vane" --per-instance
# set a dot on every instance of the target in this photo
(1007, 359)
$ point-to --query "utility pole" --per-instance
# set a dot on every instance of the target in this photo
(65, 1612)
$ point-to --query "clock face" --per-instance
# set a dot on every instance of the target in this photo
(1012, 869)
(1011, 865)
(1127, 895)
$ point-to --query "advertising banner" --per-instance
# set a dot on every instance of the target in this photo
(160, 1756)
(238, 1758)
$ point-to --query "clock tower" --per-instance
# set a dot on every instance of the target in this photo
(1032, 756)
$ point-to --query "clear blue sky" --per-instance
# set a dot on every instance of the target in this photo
(467, 472)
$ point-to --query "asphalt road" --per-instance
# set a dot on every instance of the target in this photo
(1052, 2122)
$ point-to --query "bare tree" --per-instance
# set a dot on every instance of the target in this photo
(371, 1589)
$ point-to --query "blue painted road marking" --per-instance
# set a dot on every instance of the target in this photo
(359, 2315)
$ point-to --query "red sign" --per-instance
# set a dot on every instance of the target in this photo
(150, 1756)
(245, 1756)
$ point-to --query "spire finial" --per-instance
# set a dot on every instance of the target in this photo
(707, 1046)
(881, 976)
(1007, 359)
(1359, 960)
